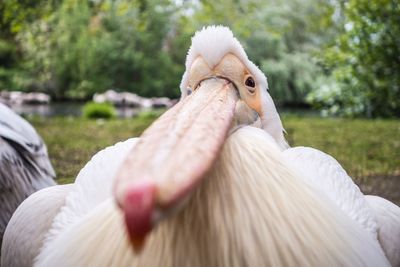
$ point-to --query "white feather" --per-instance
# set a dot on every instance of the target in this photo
(325, 174)
(388, 218)
(29, 224)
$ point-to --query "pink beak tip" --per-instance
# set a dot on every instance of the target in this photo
(138, 207)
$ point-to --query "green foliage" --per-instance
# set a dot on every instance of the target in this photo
(333, 99)
(17, 14)
(84, 48)
(93, 110)
(291, 77)
(15, 17)
(365, 59)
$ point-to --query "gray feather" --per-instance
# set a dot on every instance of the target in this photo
(24, 164)
(23, 137)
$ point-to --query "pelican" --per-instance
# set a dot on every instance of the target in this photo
(212, 182)
(24, 164)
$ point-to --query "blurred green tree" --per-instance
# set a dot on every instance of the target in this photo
(88, 47)
(15, 16)
(365, 61)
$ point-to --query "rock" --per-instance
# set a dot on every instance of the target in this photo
(36, 98)
(131, 100)
(161, 102)
(147, 103)
(99, 98)
(18, 98)
(118, 99)
(127, 99)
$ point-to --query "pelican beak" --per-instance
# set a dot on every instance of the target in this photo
(173, 155)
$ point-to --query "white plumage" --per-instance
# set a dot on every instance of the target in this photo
(90, 217)
(388, 220)
(325, 174)
(30, 223)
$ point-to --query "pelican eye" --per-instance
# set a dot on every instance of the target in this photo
(188, 91)
(250, 82)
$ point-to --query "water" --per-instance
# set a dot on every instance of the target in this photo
(73, 109)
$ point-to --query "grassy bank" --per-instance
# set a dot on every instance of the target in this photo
(368, 149)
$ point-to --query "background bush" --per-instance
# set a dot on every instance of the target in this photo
(93, 110)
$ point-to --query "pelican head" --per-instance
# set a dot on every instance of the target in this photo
(221, 89)
(216, 53)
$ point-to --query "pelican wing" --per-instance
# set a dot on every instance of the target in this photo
(325, 174)
(388, 217)
(18, 179)
(29, 224)
(92, 192)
